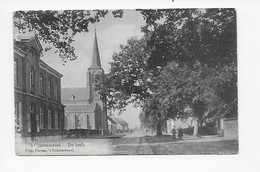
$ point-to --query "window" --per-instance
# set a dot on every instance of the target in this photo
(66, 122)
(16, 73)
(29, 122)
(49, 118)
(32, 53)
(18, 116)
(29, 126)
(76, 122)
(56, 120)
(28, 118)
(88, 123)
(41, 118)
(32, 80)
(49, 88)
(37, 123)
(73, 97)
(56, 91)
(32, 108)
(41, 87)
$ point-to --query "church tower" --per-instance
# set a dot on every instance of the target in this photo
(94, 70)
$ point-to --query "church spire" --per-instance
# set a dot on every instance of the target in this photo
(95, 63)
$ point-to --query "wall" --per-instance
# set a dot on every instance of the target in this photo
(170, 123)
(230, 127)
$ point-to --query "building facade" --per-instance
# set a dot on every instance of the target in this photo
(39, 114)
(84, 107)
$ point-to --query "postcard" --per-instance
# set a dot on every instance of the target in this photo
(126, 82)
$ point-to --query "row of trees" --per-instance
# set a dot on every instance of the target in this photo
(184, 65)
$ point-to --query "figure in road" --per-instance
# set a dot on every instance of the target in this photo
(180, 133)
(173, 133)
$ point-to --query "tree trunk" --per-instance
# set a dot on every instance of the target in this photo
(159, 128)
(196, 127)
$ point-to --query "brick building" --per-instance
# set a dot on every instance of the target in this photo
(39, 114)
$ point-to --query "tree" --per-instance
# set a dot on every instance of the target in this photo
(182, 63)
(57, 28)
(197, 89)
(147, 121)
(128, 81)
(192, 37)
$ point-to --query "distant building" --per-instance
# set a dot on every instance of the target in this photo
(39, 114)
(84, 108)
(122, 126)
(169, 126)
(112, 126)
(170, 123)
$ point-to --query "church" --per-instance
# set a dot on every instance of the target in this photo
(83, 107)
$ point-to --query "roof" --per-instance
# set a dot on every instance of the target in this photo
(79, 93)
(81, 108)
(95, 63)
(31, 38)
(120, 121)
(111, 120)
(49, 69)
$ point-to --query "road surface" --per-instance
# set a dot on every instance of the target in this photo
(140, 144)
(131, 144)
(136, 143)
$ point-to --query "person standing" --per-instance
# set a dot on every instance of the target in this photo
(173, 133)
(180, 133)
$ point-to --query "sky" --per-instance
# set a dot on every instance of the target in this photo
(111, 32)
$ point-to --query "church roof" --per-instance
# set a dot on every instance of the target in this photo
(75, 100)
(95, 63)
(79, 93)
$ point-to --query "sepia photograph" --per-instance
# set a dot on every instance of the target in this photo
(126, 82)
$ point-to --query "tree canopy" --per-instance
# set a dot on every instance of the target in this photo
(57, 28)
(186, 60)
